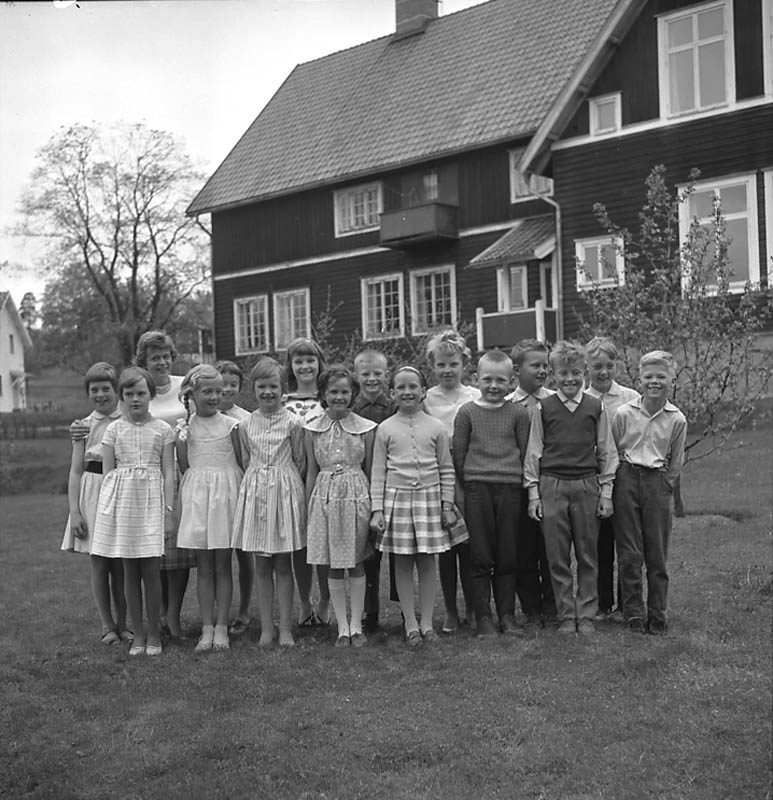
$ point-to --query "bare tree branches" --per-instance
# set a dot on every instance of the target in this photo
(112, 204)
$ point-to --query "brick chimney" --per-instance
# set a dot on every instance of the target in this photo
(413, 16)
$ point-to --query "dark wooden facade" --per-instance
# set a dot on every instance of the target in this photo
(262, 236)
(633, 70)
(259, 238)
(613, 170)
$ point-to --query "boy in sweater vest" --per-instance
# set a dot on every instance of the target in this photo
(490, 438)
(569, 472)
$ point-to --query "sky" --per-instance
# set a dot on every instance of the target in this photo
(200, 69)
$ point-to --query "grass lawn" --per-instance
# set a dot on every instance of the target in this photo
(621, 716)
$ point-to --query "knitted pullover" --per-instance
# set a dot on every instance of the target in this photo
(489, 443)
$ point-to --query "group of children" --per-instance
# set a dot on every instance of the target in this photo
(336, 467)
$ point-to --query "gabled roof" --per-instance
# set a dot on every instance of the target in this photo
(528, 239)
(474, 78)
(6, 301)
(574, 91)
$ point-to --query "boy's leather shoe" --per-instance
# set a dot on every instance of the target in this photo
(636, 624)
(567, 627)
(657, 627)
(585, 627)
(486, 627)
(510, 626)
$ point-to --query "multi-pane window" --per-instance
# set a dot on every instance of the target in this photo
(604, 114)
(382, 306)
(512, 288)
(736, 199)
(433, 299)
(357, 209)
(251, 324)
(600, 263)
(696, 59)
(291, 317)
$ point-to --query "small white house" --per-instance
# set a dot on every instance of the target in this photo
(14, 339)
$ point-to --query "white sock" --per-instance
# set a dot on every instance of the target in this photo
(338, 599)
(357, 598)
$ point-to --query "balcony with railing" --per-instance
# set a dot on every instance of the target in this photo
(504, 328)
(429, 222)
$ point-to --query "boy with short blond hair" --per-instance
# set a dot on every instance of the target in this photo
(490, 438)
(569, 471)
(372, 374)
(650, 434)
(602, 355)
(533, 584)
(372, 402)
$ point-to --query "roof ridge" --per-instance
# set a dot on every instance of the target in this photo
(480, 77)
(439, 19)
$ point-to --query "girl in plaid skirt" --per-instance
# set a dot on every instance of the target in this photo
(412, 497)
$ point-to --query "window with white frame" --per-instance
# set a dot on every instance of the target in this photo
(524, 187)
(357, 209)
(292, 317)
(251, 324)
(736, 199)
(605, 114)
(697, 67)
(433, 298)
(512, 288)
(600, 263)
(382, 306)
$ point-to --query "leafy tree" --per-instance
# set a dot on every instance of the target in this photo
(111, 205)
(677, 297)
(28, 310)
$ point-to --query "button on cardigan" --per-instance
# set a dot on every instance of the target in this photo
(411, 451)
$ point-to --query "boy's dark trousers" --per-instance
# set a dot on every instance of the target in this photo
(532, 575)
(492, 513)
(642, 500)
(606, 554)
(372, 580)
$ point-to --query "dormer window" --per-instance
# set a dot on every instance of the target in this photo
(697, 69)
(605, 114)
(357, 209)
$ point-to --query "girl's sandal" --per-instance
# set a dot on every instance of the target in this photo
(125, 635)
(110, 637)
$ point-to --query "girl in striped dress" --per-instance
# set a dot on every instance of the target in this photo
(135, 502)
(270, 518)
(412, 497)
(304, 363)
(233, 378)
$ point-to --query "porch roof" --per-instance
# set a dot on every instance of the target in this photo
(529, 239)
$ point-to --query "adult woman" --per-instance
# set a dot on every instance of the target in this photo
(156, 353)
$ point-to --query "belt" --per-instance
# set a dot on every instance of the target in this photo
(94, 466)
(639, 467)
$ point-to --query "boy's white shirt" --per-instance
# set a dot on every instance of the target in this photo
(614, 398)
